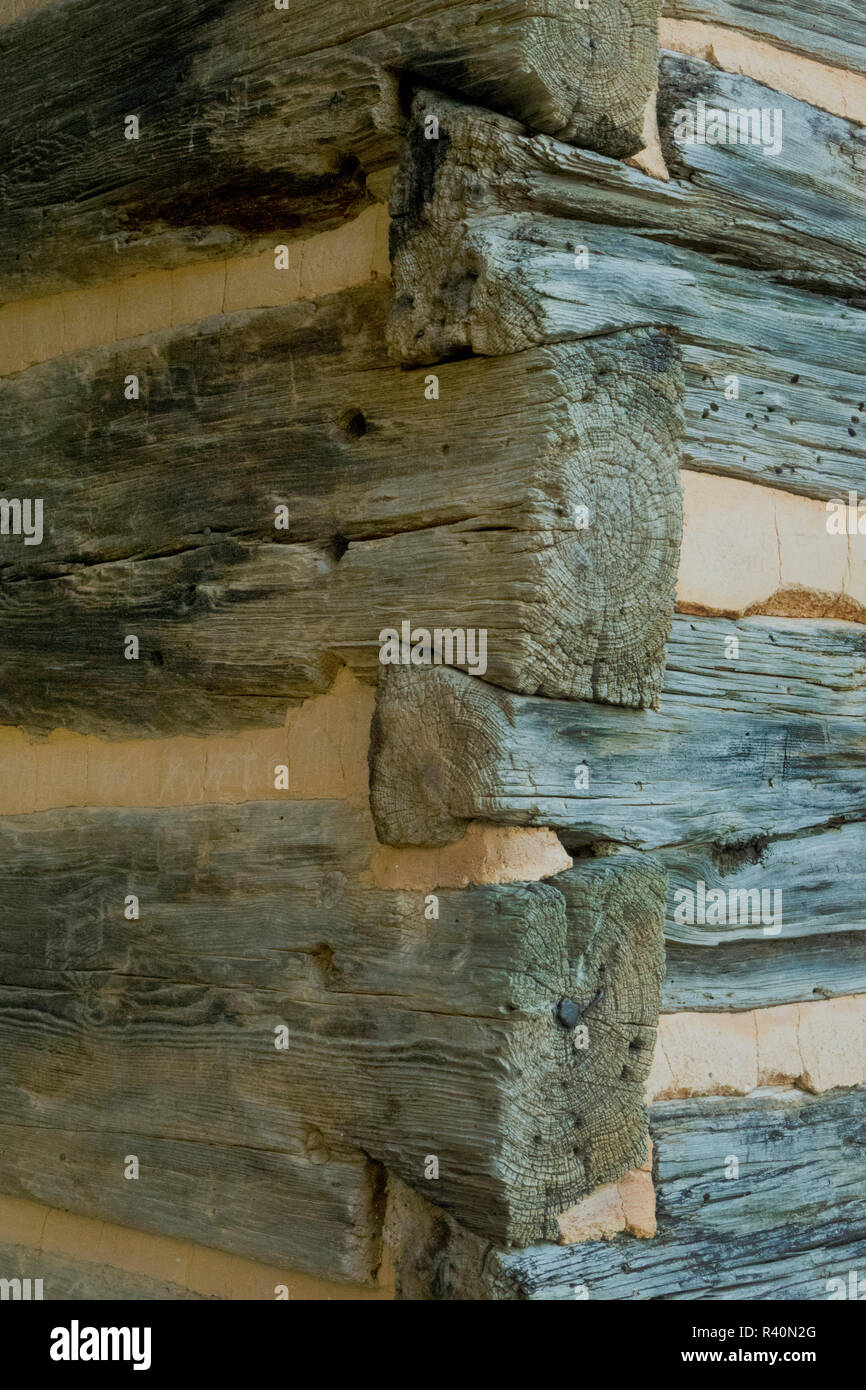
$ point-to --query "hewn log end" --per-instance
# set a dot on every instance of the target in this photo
(578, 1119)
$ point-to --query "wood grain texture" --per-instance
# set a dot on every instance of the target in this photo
(762, 770)
(832, 33)
(747, 780)
(761, 973)
(408, 1037)
(521, 287)
(792, 1219)
(66, 1279)
(254, 119)
(488, 220)
(483, 164)
(160, 517)
(805, 199)
(301, 1203)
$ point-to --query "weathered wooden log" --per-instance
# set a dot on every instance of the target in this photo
(760, 973)
(304, 1203)
(411, 1037)
(785, 920)
(830, 33)
(742, 785)
(482, 164)
(790, 1221)
(540, 504)
(513, 282)
(770, 665)
(502, 240)
(253, 118)
(706, 767)
(792, 168)
(67, 1279)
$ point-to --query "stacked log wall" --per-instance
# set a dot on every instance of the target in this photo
(259, 901)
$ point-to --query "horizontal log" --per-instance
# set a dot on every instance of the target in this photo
(742, 784)
(303, 1203)
(160, 515)
(488, 242)
(69, 1279)
(215, 86)
(485, 165)
(830, 33)
(718, 765)
(777, 665)
(793, 1218)
(761, 973)
(799, 160)
(409, 1036)
(514, 283)
(798, 934)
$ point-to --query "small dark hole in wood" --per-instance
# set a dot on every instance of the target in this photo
(353, 423)
(156, 659)
(339, 546)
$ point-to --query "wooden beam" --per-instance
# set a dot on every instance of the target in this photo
(411, 1037)
(304, 1203)
(761, 973)
(520, 287)
(218, 85)
(747, 782)
(488, 228)
(69, 1279)
(827, 33)
(160, 514)
(707, 766)
(485, 165)
(793, 1218)
(807, 941)
(798, 160)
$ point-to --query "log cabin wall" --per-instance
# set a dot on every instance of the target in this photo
(516, 417)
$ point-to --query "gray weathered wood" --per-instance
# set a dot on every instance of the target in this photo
(447, 748)
(484, 164)
(793, 1219)
(69, 1279)
(512, 283)
(782, 666)
(743, 781)
(302, 1203)
(758, 974)
(795, 425)
(255, 120)
(160, 517)
(805, 199)
(831, 33)
(409, 1037)
(819, 949)
(496, 280)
